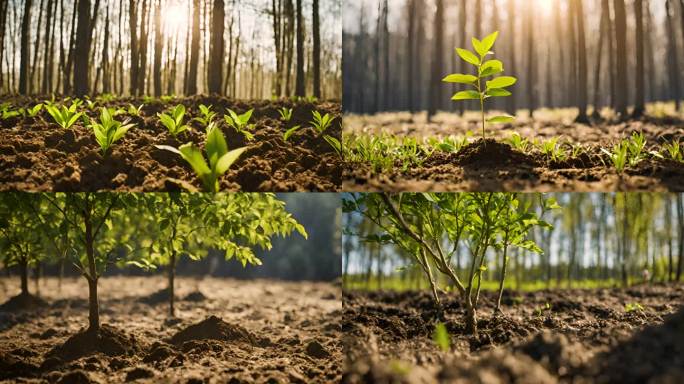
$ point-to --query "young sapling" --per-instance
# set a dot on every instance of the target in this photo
(108, 131)
(285, 114)
(207, 115)
(65, 117)
(174, 122)
(289, 132)
(484, 69)
(240, 123)
(220, 159)
(135, 111)
(321, 123)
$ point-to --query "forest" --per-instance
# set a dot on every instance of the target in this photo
(479, 285)
(120, 287)
(588, 75)
(105, 81)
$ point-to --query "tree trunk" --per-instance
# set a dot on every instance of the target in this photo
(582, 70)
(106, 86)
(36, 49)
(622, 94)
(172, 277)
(47, 63)
(23, 272)
(158, 46)
(24, 86)
(317, 51)
(558, 20)
(215, 73)
(386, 66)
(300, 88)
(410, 54)
(438, 61)
(82, 49)
(91, 276)
(133, 26)
(511, 107)
(680, 217)
(605, 19)
(672, 55)
(471, 316)
(191, 79)
(640, 82)
(531, 62)
(142, 68)
(462, 22)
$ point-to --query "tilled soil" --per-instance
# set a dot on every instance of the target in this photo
(257, 331)
(581, 336)
(498, 167)
(37, 155)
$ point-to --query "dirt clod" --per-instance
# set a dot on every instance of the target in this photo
(213, 328)
(317, 350)
(139, 373)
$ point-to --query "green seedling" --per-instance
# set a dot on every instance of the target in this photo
(174, 122)
(618, 157)
(540, 311)
(108, 131)
(334, 143)
(289, 132)
(207, 115)
(632, 307)
(321, 122)
(484, 69)
(8, 113)
(441, 337)
(674, 150)
(240, 123)
(63, 116)
(285, 114)
(135, 111)
(635, 147)
(34, 111)
(220, 159)
(449, 144)
(105, 98)
(166, 98)
(551, 149)
(518, 142)
(90, 104)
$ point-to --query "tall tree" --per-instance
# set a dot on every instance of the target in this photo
(215, 73)
(386, 45)
(621, 91)
(24, 86)
(605, 19)
(462, 22)
(639, 74)
(82, 49)
(300, 87)
(582, 64)
(191, 76)
(317, 50)
(157, 50)
(673, 55)
(142, 69)
(411, 55)
(47, 64)
(133, 27)
(438, 60)
(531, 60)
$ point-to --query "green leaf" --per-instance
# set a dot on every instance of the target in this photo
(488, 42)
(466, 95)
(216, 145)
(194, 157)
(491, 67)
(441, 337)
(501, 119)
(290, 131)
(468, 56)
(479, 48)
(228, 159)
(501, 82)
(168, 148)
(460, 78)
(497, 92)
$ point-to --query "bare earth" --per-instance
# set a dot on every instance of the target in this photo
(263, 331)
(582, 336)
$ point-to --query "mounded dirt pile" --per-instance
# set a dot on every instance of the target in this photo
(488, 153)
(23, 302)
(108, 340)
(158, 297)
(195, 296)
(213, 328)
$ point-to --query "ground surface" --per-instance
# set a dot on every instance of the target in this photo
(38, 155)
(583, 336)
(498, 168)
(270, 331)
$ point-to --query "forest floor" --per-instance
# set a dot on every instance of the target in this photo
(38, 155)
(226, 330)
(548, 336)
(490, 166)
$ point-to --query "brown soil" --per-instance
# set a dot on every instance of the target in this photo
(23, 302)
(498, 167)
(37, 155)
(585, 336)
(243, 332)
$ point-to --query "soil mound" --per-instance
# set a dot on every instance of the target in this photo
(161, 296)
(77, 377)
(489, 153)
(556, 353)
(15, 366)
(196, 297)
(23, 302)
(108, 340)
(496, 367)
(214, 328)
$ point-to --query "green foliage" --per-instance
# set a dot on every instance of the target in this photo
(618, 156)
(285, 114)
(674, 150)
(441, 337)
(220, 159)
(33, 111)
(174, 122)
(632, 307)
(496, 87)
(449, 144)
(135, 111)
(552, 149)
(545, 308)
(290, 132)
(382, 152)
(321, 122)
(240, 123)
(108, 131)
(6, 111)
(635, 146)
(63, 116)
(207, 115)
(518, 142)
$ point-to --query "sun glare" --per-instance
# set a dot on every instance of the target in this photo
(175, 18)
(546, 6)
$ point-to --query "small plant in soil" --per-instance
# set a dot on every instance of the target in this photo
(321, 123)
(34, 111)
(495, 87)
(674, 150)
(285, 114)
(220, 158)
(633, 307)
(635, 146)
(240, 123)
(441, 337)
(174, 121)
(135, 111)
(108, 131)
(207, 115)
(618, 156)
(290, 132)
(518, 142)
(552, 149)
(63, 116)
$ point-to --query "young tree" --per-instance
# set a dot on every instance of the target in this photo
(191, 224)
(582, 64)
(82, 49)
(215, 73)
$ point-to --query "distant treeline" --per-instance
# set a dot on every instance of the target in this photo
(239, 48)
(565, 53)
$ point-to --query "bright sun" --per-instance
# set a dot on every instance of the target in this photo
(175, 19)
(546, 6)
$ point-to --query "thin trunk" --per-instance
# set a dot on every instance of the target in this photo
(191, 79)
(680, 217)
(386, 66)
(438, 61)
(23, 272)
(582, 97)
(172, 277)
(622, 90)
(36, 48)
(82, 49)
(157, 50)
(503, 276)
(300, 87)
(673, 56)
(462, 22)
(133, 26)
(217, 48)
(24, 86)
(605, 17)
(410, 55)
(91, 276)
(317, 51)
(47, 64)
(531, 62)
(142, 68)
(640, 81)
